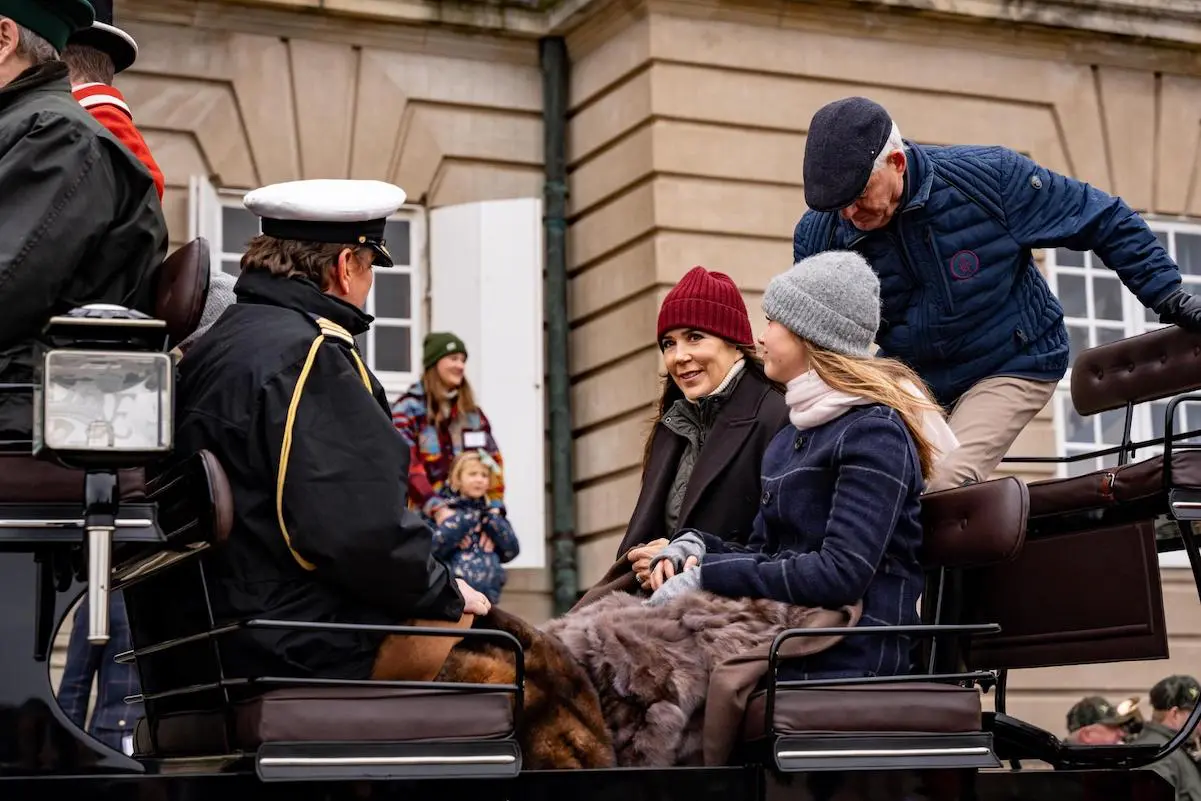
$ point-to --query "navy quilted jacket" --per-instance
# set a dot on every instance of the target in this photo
(962, 298)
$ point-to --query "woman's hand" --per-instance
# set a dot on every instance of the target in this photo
(685, 551)
(641, 558)
(474, 602)
(689, 580)
(666, 569)
(486, 543)
(465, 543)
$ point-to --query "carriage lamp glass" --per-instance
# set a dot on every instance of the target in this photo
(94, 401)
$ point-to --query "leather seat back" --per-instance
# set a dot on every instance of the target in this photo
(974, 526)
(182, 287)
(1135, 370)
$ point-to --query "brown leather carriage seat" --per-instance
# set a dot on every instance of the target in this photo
(1156, 365)
(375, 714)
(333, 714)
(1102, 524)
(180, 291)
(967, 527)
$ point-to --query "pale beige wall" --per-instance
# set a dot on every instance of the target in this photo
(686, 148)
(450, 118)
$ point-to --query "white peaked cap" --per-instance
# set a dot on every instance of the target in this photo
(336, 211)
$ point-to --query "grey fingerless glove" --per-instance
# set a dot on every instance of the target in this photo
(679, 550)
(674, 587)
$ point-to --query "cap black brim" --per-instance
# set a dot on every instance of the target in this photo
(382, 257)
(118, 44)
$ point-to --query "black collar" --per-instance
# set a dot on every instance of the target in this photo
(51, 76)
(301, 294)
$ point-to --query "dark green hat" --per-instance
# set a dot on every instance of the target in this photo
(1095, 709)
(437, 344)
(53, 20)
(1175, 691)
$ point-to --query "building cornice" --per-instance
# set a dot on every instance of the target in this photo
(1175, 22)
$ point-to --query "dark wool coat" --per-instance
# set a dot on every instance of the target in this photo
(723, 493)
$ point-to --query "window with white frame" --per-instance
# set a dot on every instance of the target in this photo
(392, 347)
(1098, 309)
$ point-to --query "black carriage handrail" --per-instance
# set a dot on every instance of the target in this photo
(503, 637)
(918, 630)
(285, 681)
(1110, 451)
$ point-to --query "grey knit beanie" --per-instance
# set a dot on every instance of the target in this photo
(831, 299)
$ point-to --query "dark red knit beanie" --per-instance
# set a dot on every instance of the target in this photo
(709, 302)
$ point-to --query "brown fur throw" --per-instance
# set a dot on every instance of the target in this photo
(617, 682)
(561, 725)
(652, 665)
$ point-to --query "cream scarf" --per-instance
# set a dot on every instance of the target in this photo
(812, 402)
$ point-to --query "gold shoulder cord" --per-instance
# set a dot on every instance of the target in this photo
(328, 329)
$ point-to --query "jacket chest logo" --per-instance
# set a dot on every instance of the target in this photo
(964, 265)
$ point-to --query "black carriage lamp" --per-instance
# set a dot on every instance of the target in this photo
(102, 401)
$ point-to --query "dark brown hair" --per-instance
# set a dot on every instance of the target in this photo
(436, 390)
(88, 65)
(672, 393)
(289, 257)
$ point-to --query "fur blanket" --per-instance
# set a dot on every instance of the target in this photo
(616, 682)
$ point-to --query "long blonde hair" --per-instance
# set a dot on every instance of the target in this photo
(438, 404)
(882, 381)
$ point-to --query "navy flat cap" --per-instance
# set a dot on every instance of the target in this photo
(844, 139)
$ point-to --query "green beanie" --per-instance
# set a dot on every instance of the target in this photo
(436, 345)
(53, 20)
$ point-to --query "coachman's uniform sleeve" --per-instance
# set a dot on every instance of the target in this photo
(108, 107)
(53, 183)
(341, 471)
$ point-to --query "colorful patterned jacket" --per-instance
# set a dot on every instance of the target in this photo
(435, 448)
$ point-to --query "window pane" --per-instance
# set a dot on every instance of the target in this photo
(396, 239)
(1069, 258)
(1107, 298)
(1107, 335)
(238, 227)
(231, 266)
(392, 352)
(364, 348)
(1079, 341)
(1188, 253)
(1112, 424)
(1071, 290)
(1075, 427)
(393, 296)
(1193, 414)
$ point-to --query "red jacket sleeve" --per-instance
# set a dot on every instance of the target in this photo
(123, 128)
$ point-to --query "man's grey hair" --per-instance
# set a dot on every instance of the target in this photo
(894, 143)
(32, 47)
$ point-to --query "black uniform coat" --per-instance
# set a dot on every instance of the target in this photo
(275, 389)
(80, 222)
(723, 492)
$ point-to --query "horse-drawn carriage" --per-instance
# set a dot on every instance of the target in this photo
(1008, 564)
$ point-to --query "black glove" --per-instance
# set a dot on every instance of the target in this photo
(1182, 309)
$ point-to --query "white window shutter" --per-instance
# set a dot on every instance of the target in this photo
(486, 286)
